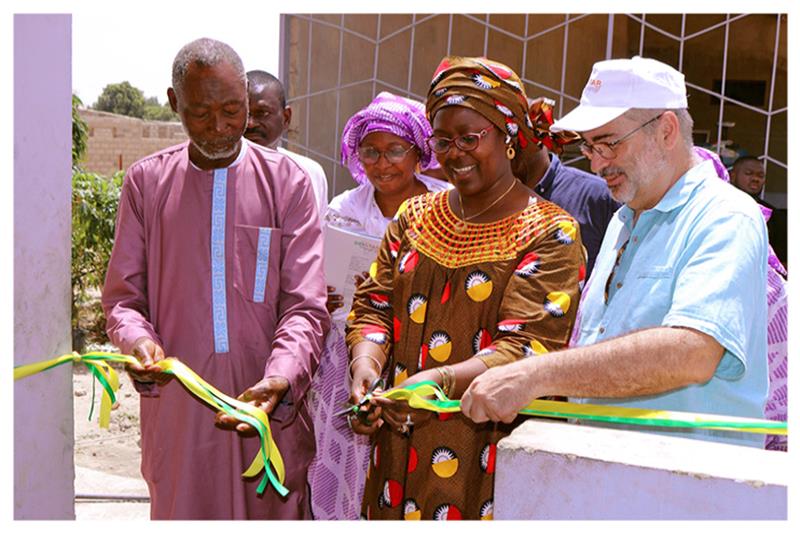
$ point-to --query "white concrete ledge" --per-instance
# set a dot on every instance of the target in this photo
(554, 470)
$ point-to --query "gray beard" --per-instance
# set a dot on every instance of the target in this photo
(217, 155)
(213, 156)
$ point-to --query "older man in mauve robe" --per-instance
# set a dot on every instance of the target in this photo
(217, 261)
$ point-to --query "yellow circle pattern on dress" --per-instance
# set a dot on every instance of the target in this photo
(534, 348)
(487, 510)
(444, 462)
(566, 232)
(557, 303)
(478, 285)
(411, 510)
(400, 374)
(417, 305)
(440, 346)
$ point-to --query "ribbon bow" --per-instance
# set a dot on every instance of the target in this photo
(268, 458)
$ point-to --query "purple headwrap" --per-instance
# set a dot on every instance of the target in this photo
(722, 172)
(393, 114)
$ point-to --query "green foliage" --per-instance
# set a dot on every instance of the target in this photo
(122, 99)
(94, 208)
(80, 133)
(159, 112)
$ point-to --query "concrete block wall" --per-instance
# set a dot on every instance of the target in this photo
(117, 141)
(559, 471)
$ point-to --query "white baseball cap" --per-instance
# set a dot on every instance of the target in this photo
(617, 85)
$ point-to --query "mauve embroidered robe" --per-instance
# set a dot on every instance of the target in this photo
(159, 285)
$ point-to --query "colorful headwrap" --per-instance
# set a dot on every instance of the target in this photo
(487, 87)
(541, 115)
(393, 114)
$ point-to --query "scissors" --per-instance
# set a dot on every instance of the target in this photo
(357, 408)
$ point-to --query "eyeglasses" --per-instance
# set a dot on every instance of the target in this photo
(465, 143)
(606, 150)
(369, 155)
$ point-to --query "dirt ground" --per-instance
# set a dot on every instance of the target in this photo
(114, 450)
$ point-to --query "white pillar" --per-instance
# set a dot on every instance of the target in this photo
(43, 426)
(559, 471)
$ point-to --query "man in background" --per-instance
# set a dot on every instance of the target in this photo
(269, 118)
(582, 195)
(748, 174)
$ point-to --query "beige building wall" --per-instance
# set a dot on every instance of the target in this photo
(117, 141)
(334, 64)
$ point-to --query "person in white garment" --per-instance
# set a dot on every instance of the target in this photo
(269, 118)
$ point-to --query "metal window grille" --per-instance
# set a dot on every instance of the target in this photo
(711, 49)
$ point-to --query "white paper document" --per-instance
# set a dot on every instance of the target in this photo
(347, 253)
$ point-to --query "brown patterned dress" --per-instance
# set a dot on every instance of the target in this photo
(443, 291)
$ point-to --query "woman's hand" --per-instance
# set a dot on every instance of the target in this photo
(334, 301)
(368, 420)
(398, 414)
(360, 278)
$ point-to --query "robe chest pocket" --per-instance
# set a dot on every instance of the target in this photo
(257, 252)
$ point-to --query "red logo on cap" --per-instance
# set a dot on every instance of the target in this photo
(595, 84)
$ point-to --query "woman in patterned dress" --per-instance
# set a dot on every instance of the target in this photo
(466, 279)
(384, 147)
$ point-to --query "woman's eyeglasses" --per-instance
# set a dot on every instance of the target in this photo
(369, 155)
(606, 150)
(465, 143)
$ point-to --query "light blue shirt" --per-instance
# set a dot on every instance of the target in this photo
(698, 259)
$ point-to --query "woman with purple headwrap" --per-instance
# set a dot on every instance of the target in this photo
(384, 147)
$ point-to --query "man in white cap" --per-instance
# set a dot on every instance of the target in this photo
(673, 316)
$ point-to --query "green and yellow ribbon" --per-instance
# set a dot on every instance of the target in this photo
(269, 457)
(423, 395)
(428, 395)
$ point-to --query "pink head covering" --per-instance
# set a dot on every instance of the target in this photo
(393, 114)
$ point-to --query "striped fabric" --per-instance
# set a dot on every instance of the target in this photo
(777, 351)
(336, 475)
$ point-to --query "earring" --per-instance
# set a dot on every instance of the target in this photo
(510, 152)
